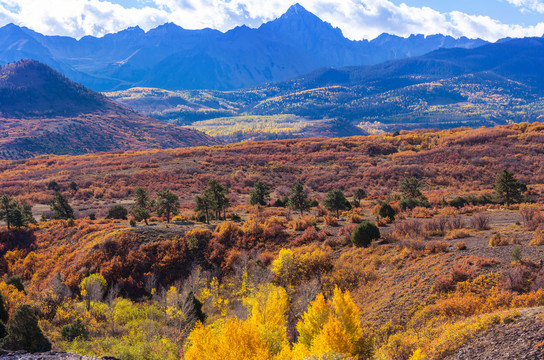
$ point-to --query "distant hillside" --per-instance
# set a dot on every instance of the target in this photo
(173, 58)
(443, 89)
(42, 112)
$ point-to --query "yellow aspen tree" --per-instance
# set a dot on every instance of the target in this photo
(347, 314)
(313, 320)
(333, 339)
(230, 339)
(268, 311)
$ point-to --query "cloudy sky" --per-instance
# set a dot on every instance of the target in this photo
(358, 19)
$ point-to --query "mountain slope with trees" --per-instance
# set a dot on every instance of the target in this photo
(42, 112)
(446, 88)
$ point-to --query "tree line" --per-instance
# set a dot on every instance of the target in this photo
(214, 201)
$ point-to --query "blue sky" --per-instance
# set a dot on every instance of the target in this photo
(501, 10)
(358, 19)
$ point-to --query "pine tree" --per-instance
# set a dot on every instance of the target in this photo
(336, 201)
(203, 205)
(299, 199)
(216, 196)
(142, 205)
(61, 208)
(24, 333)
(4, 316)
(7, 207)
(359, 195)
(410, 188)
(167, 204)
(260, 194)
(508, 189)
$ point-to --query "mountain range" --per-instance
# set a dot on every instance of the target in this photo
(43, 112)
(170, 57)
(493, 84)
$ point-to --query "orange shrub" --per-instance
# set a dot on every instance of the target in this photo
(498, 240)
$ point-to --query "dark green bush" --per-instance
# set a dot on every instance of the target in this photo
(17, 282)
(364, 234)
(24, 333)
(387, 211)
(75, 330)
(118, 212)
(459, 202)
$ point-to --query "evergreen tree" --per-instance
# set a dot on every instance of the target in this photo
(3, 331)
(508, 189)
(117, 212)
(61, 208)
(260, 194)
(335, 201)
(4, 316)
(364, 234)
(142, 205)
(53, 185)
(73, 186)
(387, 211)
(167, 204)
(410, 188)
(299, 199)
(359, 195)
(203, 205)
(216, 195)
(24, 333)
(7, 207)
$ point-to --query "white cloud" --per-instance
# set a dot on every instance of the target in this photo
(532, 5)
(77, 17)
(358, 19)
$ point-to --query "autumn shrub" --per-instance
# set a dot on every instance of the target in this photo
(302, 223)
(275, 219)
(364, 234)
(538, 237)
(409, 228)
(436, 226)
(457, 234)
(462, 272)
(253, 232)
(456, 223)
(517, 278)
(381, 222)
(498, 240)
(353, 217)
(275, 234)
(414, 247)
(480, 222)
(330, 220)
(435, 247)
(420, 212)
(461, 245)
(346, 231)
(532, 216)
(443, 283)
(310, 235)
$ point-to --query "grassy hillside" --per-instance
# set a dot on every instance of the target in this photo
(441, 274)
(43, 112)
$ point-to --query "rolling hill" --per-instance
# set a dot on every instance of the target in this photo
(174, 58)
(443, 89)
(43, 112)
